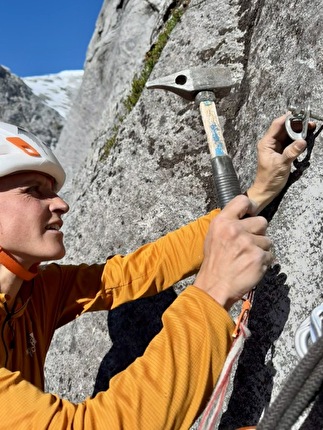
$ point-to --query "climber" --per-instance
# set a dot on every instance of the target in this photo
(169, 385)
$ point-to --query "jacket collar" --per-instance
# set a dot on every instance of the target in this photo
(19, 306)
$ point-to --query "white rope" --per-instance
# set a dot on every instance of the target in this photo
(213, 411)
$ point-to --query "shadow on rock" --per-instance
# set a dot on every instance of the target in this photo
(253, 381)
(131, 328)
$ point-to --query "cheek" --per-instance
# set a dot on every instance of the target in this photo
(13, 226)
(7, 229)
(6, 237)
(20, 219)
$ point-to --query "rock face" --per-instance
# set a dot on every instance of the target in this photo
(157, 174)
(124, 33)
(19, 105)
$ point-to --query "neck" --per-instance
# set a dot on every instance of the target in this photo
(14, 266)
(12, 275)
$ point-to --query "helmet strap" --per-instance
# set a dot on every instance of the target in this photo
(16, 268)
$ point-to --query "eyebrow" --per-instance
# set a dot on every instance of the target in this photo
(37, 181)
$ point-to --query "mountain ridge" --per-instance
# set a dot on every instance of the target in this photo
(57, 90)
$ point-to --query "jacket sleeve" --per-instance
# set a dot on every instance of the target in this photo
(156, 266)
(149, 270)
(165, 389)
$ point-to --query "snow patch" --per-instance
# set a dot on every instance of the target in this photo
(57, 90)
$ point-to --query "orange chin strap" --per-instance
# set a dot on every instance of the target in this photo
(16, 268)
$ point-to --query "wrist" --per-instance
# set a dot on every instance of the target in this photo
(218, 294)
(260, 197)
(224, 301)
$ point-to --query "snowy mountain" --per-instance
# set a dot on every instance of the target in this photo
(56, 90)
(21, 106)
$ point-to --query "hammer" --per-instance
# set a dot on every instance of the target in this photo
(201, 84)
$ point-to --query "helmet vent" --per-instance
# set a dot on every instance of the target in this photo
(24, 146)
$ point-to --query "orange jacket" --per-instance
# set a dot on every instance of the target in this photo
(164, 389)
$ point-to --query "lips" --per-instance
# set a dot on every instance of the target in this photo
(56, 226)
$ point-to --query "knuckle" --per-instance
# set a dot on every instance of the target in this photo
(260, 144)
(232, 231)
(259, 259)
(263, 223)
(247, 242)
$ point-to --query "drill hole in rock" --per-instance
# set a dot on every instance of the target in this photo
(181, 80)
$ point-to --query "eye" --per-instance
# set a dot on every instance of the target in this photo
(40, 191)
(36, 191)
(33, 189)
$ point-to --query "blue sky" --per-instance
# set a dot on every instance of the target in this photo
(40, 37)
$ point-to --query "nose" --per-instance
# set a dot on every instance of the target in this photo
(59, 205)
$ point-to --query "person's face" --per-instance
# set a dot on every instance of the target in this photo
(30, 218)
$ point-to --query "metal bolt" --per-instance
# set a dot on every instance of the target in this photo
(301, 111)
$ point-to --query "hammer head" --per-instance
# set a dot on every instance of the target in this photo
(188, 83)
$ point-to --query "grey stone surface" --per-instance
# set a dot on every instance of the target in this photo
(157, 176)
(20, 106)
(123, 34)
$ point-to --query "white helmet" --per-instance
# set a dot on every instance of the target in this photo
(21, 151)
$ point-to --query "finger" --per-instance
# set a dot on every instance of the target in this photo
(238, 207)
(292, 151)
(255, 225)
(263, 242)
(277, 128)
(312, 125)
(276, 137)
(268, 258)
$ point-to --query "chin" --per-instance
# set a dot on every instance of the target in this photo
(54, 256)
(59, 255)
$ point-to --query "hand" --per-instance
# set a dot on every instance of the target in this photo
(236, 253)
(275, 157)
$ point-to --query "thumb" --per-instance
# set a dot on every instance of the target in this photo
(239, 207)
(292, 151)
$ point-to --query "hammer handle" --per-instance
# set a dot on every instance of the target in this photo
(225, 179)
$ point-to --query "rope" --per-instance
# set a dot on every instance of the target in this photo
(299, 390)
(213, 410)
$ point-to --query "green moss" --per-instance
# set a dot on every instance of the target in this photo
(109, 144)
(139, 81)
